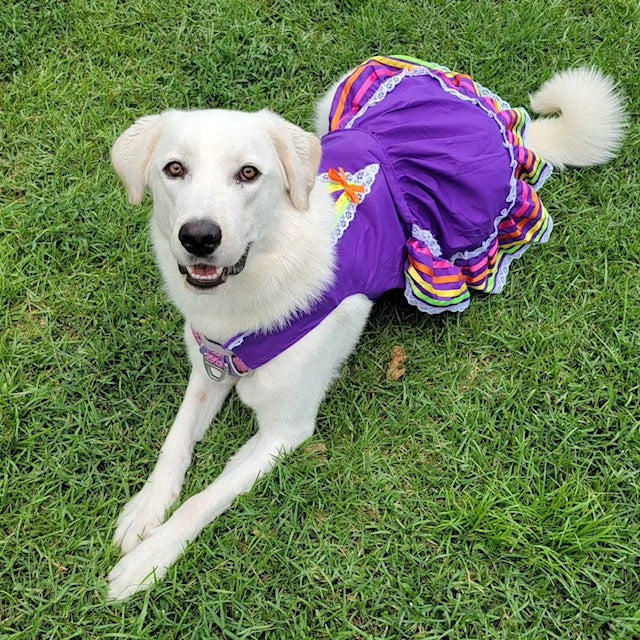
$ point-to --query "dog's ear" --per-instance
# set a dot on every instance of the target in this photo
(299, 154)
(131, 154)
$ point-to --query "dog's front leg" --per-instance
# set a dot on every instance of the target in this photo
(285, 394)
(279, 430)
(146, 510)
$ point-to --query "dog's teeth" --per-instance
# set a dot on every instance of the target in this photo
(204, 272)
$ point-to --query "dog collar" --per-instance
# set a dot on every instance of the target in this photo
(219, 361)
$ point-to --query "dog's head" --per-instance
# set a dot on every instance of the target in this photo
(218, 180)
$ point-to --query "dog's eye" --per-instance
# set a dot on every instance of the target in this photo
(248, 173)
(175, 169)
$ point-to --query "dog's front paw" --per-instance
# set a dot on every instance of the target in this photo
(143, 514)
(145, 564)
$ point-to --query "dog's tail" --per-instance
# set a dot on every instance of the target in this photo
(590, 123)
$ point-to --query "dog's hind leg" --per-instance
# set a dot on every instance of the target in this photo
(146, 510)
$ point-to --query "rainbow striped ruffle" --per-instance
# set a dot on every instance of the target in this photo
(444, 284)
(434, 282)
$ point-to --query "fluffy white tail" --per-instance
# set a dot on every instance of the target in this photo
(590, 123)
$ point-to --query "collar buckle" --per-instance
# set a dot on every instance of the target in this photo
(219, 361)
(216, 371)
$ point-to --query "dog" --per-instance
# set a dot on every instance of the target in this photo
(247, 230)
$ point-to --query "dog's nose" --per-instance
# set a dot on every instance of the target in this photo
(200, 237)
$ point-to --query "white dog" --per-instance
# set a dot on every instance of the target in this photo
(245, 235)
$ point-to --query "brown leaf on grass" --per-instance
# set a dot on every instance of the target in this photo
(396, 366)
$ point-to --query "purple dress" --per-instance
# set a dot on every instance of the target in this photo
(435, 193)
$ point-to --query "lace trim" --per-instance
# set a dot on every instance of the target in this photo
(507, 259)
(425, 236)
(365, 178)
(430, 309)
(487, 93)
(385, 88)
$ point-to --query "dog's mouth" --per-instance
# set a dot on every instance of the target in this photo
(206, 276)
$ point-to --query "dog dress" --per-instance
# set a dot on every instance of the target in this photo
(434, 190)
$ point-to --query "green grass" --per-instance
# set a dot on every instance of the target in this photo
(493, 492)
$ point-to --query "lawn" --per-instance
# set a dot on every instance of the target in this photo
(493, 491)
